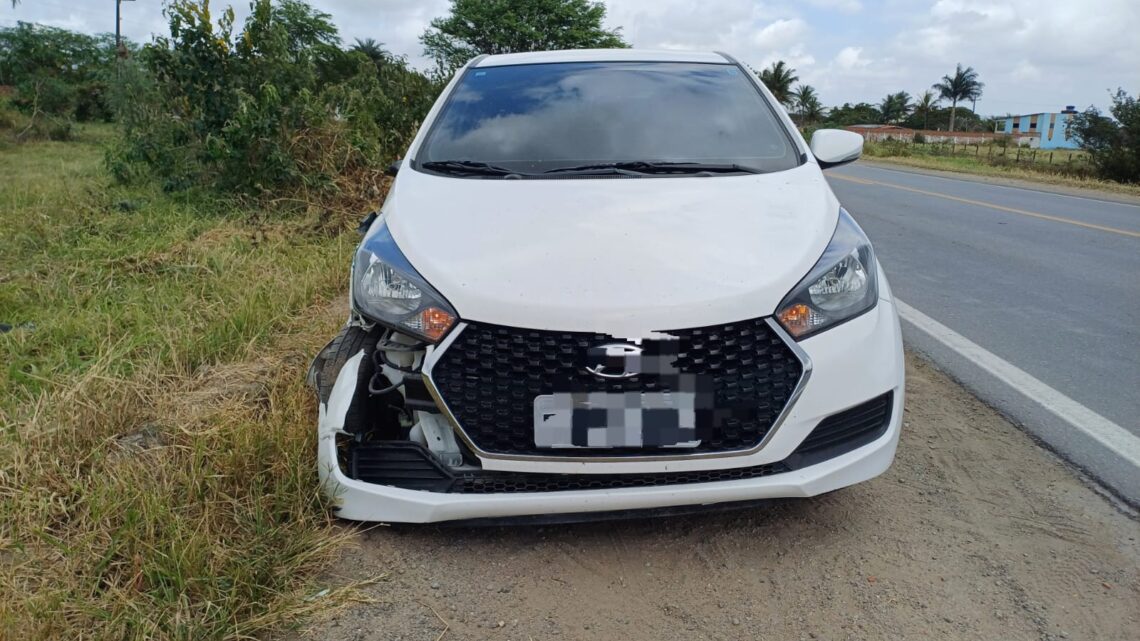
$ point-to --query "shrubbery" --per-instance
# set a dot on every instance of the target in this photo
(275, 110)
(55, 77)
(1114, 146)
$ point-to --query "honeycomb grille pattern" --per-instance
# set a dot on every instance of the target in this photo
(490, 375)
(509, 483)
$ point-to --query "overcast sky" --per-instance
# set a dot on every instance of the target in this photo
(1033, 55)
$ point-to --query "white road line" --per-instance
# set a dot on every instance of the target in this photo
(1109, 434)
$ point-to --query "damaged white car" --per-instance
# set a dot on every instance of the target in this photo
(606, 282)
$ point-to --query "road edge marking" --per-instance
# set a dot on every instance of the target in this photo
(1110, 435)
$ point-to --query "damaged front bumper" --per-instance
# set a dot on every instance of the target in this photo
(419, 484)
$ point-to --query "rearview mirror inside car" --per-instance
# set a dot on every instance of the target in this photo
(832, 147)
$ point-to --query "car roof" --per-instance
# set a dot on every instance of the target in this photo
(602, 55)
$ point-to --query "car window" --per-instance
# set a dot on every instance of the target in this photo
(539, 117)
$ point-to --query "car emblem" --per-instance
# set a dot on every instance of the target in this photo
(615, 360)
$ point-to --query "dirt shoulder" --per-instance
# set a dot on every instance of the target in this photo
(1099, 190)
(974, 533)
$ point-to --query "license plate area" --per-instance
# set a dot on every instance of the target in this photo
(616, 420)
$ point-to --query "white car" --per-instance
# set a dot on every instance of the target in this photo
(608, 281)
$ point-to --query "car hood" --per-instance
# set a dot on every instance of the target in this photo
(619, 256)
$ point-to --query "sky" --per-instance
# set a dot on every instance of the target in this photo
(1032, 55)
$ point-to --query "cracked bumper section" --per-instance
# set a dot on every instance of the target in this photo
(853, 363)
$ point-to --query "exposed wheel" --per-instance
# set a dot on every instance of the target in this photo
(348, 343)
(368, 415)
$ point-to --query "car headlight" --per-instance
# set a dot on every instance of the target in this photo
(841, 286)
(387, 289)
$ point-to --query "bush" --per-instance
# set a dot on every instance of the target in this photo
(278, 110)
(888, 147)
(1113, 146)
(56, 71)
(918, 138)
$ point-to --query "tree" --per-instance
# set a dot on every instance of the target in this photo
(858, 114)
(476, 27)
(925, 104)
(963, 85)
(779, 78)
(895, 107)
(56, 71)
(275, 109)
(1114, 147)
(374, 50)
(806, 104)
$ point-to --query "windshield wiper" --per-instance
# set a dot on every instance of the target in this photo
(657, 167)
(468, 168)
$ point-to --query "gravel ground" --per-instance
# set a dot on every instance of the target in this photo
(974, 533)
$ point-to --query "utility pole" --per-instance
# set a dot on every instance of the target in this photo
(119, 27)
(120, 50)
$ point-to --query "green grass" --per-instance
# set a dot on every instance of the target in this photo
(999, 163)
(157, 475)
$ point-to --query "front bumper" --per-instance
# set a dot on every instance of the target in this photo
(852, 363)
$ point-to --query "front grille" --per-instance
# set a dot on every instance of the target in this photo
(508, 482)
(411, 466)
(397, 463)
(843, 432)
(490, 375)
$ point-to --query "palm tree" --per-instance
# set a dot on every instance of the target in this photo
(927, 102)
(374, 50)
(964, 85)
(778, 78)
(895, 107)
(812, 111)
(806, 102)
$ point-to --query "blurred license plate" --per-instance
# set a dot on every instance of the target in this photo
(608, 420)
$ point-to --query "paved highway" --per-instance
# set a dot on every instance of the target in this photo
(1030, 298)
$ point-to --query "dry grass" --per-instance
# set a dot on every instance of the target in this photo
(157, 466)
(1039, 171)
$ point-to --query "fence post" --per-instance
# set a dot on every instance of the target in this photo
(1018, 159)
(1050, 158)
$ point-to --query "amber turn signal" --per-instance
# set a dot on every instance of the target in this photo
(796, 319)
(431, 322)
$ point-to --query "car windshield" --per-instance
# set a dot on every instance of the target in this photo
(636, 117)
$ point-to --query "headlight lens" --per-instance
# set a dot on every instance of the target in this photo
(842, 284)
(387, 289)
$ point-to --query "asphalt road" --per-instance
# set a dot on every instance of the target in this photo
(1044, 282)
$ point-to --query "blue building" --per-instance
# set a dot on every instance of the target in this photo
(1051, 127)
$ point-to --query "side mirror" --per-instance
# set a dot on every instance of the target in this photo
(394, 168)
(832, 147)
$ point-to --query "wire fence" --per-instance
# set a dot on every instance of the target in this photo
(1059, 161)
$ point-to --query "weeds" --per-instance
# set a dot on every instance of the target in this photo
(157, 472)
(275, 109)
(998, 162)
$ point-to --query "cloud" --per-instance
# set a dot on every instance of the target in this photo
(850, 58)
(844, 6)
(1032, 54)
(781, 34)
